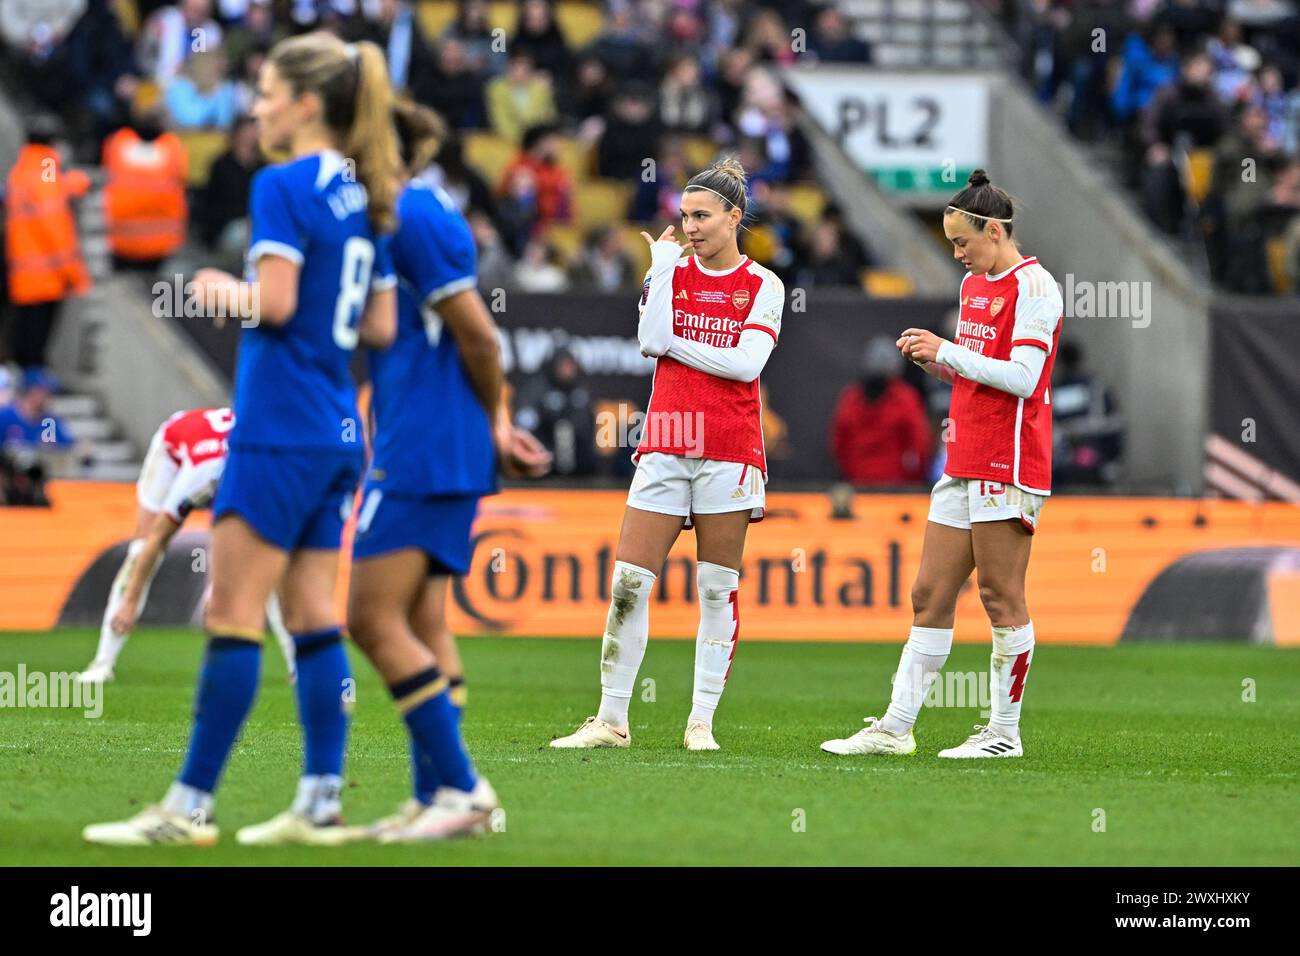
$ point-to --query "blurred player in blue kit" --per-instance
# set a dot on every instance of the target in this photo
(441, 430)
(321, 277)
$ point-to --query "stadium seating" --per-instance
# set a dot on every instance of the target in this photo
(580, 22)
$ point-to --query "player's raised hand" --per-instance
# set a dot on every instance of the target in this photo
(920, 345)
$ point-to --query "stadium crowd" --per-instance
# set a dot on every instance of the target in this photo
(142, 70)
(1202, 98)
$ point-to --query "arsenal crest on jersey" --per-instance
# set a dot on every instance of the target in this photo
(995, 307)
(740, 298)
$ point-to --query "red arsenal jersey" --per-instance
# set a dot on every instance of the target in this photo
(995, 435)
(197, 435)
(695, 414)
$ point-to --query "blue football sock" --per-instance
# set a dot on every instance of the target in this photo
(225, 695)
(431, 719)
(424, 777)
(323, 707)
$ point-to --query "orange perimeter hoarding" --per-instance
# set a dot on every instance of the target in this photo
(543, 559)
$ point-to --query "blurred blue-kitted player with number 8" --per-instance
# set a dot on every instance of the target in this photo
(323, 282)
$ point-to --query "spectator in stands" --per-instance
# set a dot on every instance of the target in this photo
(474, 32)
(42, 254)
(145, 205)
(459, 180)
(685, 104)
(1269, 94)
(620, 45)
(221, 209)
(250, 67)
(629, 135)
(541, 268)
(828, 261)
(1188, 110)
(1149, 62)
(1243, 166)
(685, 36)
(495, 268)
(548, 182)
(172, 34)
(1182, 116)
(37, 34)
(880, 434)
(541, 38)
(519, 98)
(734, 67)
(258, 31)
(768, 114)
(589, 96)
(604, 264)
(201, 96)
(1234, 62)
(1191, 20)
(410, 61)
(1269, 221)
(787, 255)
(555, 406)
(28, 433)
(456, 90)
(831, 41)
(1087, 430)
(768, 39)
(659, 197)
(1087, 64)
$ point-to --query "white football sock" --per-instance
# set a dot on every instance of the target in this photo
(1013, 652)
(110, 644)
(923, 657)
(275, 621)
(627, 627)
(319, 797)
(715, 641)
(188, 801)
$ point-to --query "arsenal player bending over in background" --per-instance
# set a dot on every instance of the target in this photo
(711, 320)
(985, 507)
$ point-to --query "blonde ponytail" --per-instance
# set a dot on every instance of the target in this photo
(371, 140)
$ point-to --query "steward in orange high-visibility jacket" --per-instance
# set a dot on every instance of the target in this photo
(144, 199)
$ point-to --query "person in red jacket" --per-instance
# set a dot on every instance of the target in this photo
(880, 434)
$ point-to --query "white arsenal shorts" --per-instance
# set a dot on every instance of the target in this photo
(156, 474)
(957, 502)
(676, 485)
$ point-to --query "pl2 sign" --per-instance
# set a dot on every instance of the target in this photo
(914, 133)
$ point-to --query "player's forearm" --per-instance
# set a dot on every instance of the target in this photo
(655, 330)
(941, 372)
(154, 546)
(466, 316)
(1018, 375)
(743, 363)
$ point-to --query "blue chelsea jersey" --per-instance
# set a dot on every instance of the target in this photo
(432, 435)
(293, 387)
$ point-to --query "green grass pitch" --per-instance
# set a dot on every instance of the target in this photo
(1158, 739)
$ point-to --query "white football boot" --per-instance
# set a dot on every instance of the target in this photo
(453, 813)
(699, 736)
(405, 815)
(96, 672)
(873, 739)
(985, 742)
(153, 826)
(594, 732)
(294, 829)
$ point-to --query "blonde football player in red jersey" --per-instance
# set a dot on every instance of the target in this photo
(711, 320)
(985, 507)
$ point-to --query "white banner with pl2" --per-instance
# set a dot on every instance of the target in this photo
(914, 133)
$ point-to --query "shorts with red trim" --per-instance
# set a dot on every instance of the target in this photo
(958, 502)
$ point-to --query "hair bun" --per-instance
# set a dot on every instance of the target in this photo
(978, 178)
(733, 167)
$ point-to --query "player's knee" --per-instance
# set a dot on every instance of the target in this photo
(715, 582)
(925, 597)
(998, 601)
